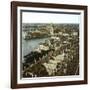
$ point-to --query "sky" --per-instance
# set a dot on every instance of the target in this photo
(33, 17)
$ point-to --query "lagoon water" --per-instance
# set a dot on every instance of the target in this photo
(30, 45)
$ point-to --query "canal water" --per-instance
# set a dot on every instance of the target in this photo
(30, 45)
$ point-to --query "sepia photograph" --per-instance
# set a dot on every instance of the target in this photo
(50, 44)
